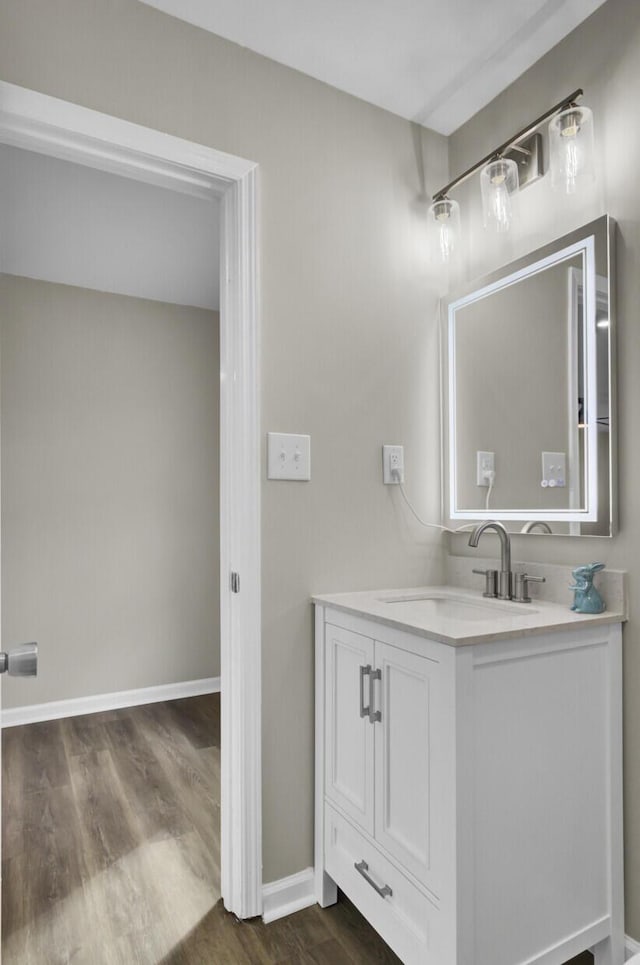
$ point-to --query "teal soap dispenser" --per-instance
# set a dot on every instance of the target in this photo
(586, 598)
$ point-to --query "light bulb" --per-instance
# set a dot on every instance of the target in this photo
(497, 172)
(569, 124)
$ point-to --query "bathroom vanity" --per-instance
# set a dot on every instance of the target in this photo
(469, 775)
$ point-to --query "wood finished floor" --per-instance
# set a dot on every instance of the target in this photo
(111, 851)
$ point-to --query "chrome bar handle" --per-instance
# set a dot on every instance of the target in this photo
(362, 868)
(374, 715)
(365, 672)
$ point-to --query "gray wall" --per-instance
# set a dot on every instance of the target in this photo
(349, 328)
(603, 57)
(110, 518)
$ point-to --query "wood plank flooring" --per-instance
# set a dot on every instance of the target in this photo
(111, 851)
(111, 834)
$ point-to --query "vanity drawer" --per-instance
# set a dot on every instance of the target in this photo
(406, 919)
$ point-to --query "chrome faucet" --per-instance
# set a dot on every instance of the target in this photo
(536, 524)
(504, 576)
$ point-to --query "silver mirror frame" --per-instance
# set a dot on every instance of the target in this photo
(580, 241)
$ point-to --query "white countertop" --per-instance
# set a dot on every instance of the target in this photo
(460, 617)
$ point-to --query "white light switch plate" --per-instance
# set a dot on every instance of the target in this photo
(288, 456)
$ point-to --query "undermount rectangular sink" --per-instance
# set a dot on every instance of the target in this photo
(459, 616)
(451, 606)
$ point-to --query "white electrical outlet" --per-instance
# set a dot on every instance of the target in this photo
(485, 463)
(393, 464)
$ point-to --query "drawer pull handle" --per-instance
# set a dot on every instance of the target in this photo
(364, 672)
(362, 867)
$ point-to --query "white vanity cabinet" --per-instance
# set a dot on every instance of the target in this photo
(387, 768)
(468, 797)
(381, 769)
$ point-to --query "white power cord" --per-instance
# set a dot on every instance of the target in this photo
(491, 476)
(445, 529)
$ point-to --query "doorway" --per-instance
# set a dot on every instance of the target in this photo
(49, 126)
(110, 438)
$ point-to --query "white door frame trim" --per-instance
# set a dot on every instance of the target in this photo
(58, 128)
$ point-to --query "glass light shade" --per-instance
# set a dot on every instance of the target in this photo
(571, 148)
(443, 230)
(498, 181)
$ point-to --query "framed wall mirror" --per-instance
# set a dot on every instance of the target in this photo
(529, 391)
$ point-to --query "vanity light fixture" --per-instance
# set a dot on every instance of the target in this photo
(516, 163)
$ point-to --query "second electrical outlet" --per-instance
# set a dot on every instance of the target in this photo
(393, 464)
(485, 464)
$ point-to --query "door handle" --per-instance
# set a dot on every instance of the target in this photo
(21, 661)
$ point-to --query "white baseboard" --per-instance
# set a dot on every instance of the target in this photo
(283, 897)
(56, 709)
(631, 947)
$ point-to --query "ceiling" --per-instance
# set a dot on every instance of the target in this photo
(76, 225)
(436, 62)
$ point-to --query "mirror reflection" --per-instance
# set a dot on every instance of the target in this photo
(528, 376)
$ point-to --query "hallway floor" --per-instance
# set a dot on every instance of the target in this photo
(111, 834)
(111, 851)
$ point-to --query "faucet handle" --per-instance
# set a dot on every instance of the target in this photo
(522, 580)
(490, 583)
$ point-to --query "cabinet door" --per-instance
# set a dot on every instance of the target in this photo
(410, 796)
(349, 734)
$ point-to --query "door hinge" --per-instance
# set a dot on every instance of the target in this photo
(235, 582)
